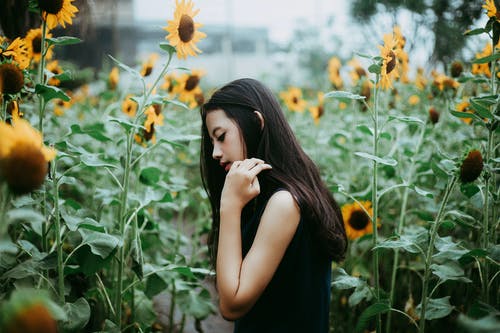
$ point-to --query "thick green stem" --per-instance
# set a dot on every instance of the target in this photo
(4, 203)
(57, 223)
(430, 250)
(375, 202)
(485, 241)
(401, 223)
(171, 321)
(122, 218)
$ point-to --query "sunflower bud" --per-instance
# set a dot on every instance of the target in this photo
(471, 167)
(456, 68)
(433, 115)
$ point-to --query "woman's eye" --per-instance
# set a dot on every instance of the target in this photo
(221, 137)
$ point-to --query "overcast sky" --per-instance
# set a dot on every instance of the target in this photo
(279, 16)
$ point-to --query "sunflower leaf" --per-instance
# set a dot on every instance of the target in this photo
(381, 160)
(167, 47)
(125, 67)
(436, 308)
(63, 40)
(406, 119)
(477, 31)
(370, 312)
(50, 92)
(487, 59)
(343, 95)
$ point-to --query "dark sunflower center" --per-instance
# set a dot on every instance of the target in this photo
(11, 79)
(192, 82)
(51, 6)
(358, 220)
(391, 63)
(295, 100)
(37, 44)
(321, 111)
(186, 28)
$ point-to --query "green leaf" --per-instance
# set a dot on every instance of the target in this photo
(95, 131)
(154, 285)
(487, 59)
(100, 244)
(51, 92)
(199, 305)
(78, 314)
(469, 189)
(369, 313)
(126, 68)
(93, 160)
(447, 249)
(343, 95)
(382, 160)
(150, 176)
(421, 191)
(476, 31)
(436, 308)
(341, 280)
(481, 108)
(407, 119)
(375, 69)
(167, 47)
(365, 129)
(63, 40)
(470, 256)
(403, 242)
(124, 124)
(449, 271)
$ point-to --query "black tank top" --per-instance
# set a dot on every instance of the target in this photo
(297, 299)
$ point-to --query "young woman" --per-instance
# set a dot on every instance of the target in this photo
(276, 227)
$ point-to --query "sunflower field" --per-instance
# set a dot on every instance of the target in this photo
(102, 207)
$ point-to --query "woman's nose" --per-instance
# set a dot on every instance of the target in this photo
(216, 153)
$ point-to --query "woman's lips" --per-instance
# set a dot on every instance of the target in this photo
(227, 166)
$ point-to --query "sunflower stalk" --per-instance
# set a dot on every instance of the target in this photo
(41, 77)
(430, 250)
(375, 200)
(399, 230)
(57, 224)
(4, 203)
(4, 109)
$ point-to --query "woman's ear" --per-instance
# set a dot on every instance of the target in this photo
(261, 119)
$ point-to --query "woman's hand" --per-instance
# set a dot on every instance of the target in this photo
(242, 184)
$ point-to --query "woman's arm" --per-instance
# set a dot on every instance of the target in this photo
(240, 282)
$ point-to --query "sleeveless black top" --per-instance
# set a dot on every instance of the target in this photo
(297, 299)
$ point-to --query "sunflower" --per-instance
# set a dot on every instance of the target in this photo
(56, 12)
(334, 66)
(183, 31)
(356, 221)
(23, 156)
(11, 79)
(491, 9)
(433, 115)
(147, 67)
(170, 81)
(357, 71)
(114, 77)
(129, 106)
(55, 69)
(153, 117)
(13, 110)
(34, 43)
(420, 79)
(293, 99)
(188, 87)
(318, 110)
(464, 106)
(483, 68)
(413, 100)
(389, 54)
(18, 52)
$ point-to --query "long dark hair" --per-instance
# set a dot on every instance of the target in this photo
(276, 144)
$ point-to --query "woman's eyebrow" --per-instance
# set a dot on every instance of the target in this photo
(215, 130)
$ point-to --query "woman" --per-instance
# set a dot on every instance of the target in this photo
(275, 226)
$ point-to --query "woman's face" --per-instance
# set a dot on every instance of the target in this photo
(226, 138)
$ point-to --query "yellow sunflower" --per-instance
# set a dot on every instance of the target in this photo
(114, 77)
(413, 100)
(183, 33)
(357, 223)
(56, 12)
(318, 110)
(153, 117)
(23, 156)
(420, 79)
(389, 54)
(491, 9)
(485, 67)
(334, 66)
(18, 51)
(129, 106)
(188, 87)
(357, 71)
(147, 67)
(34, 43)
(293, 99)
(464, 106)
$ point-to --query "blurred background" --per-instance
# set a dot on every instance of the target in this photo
(280, 41)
